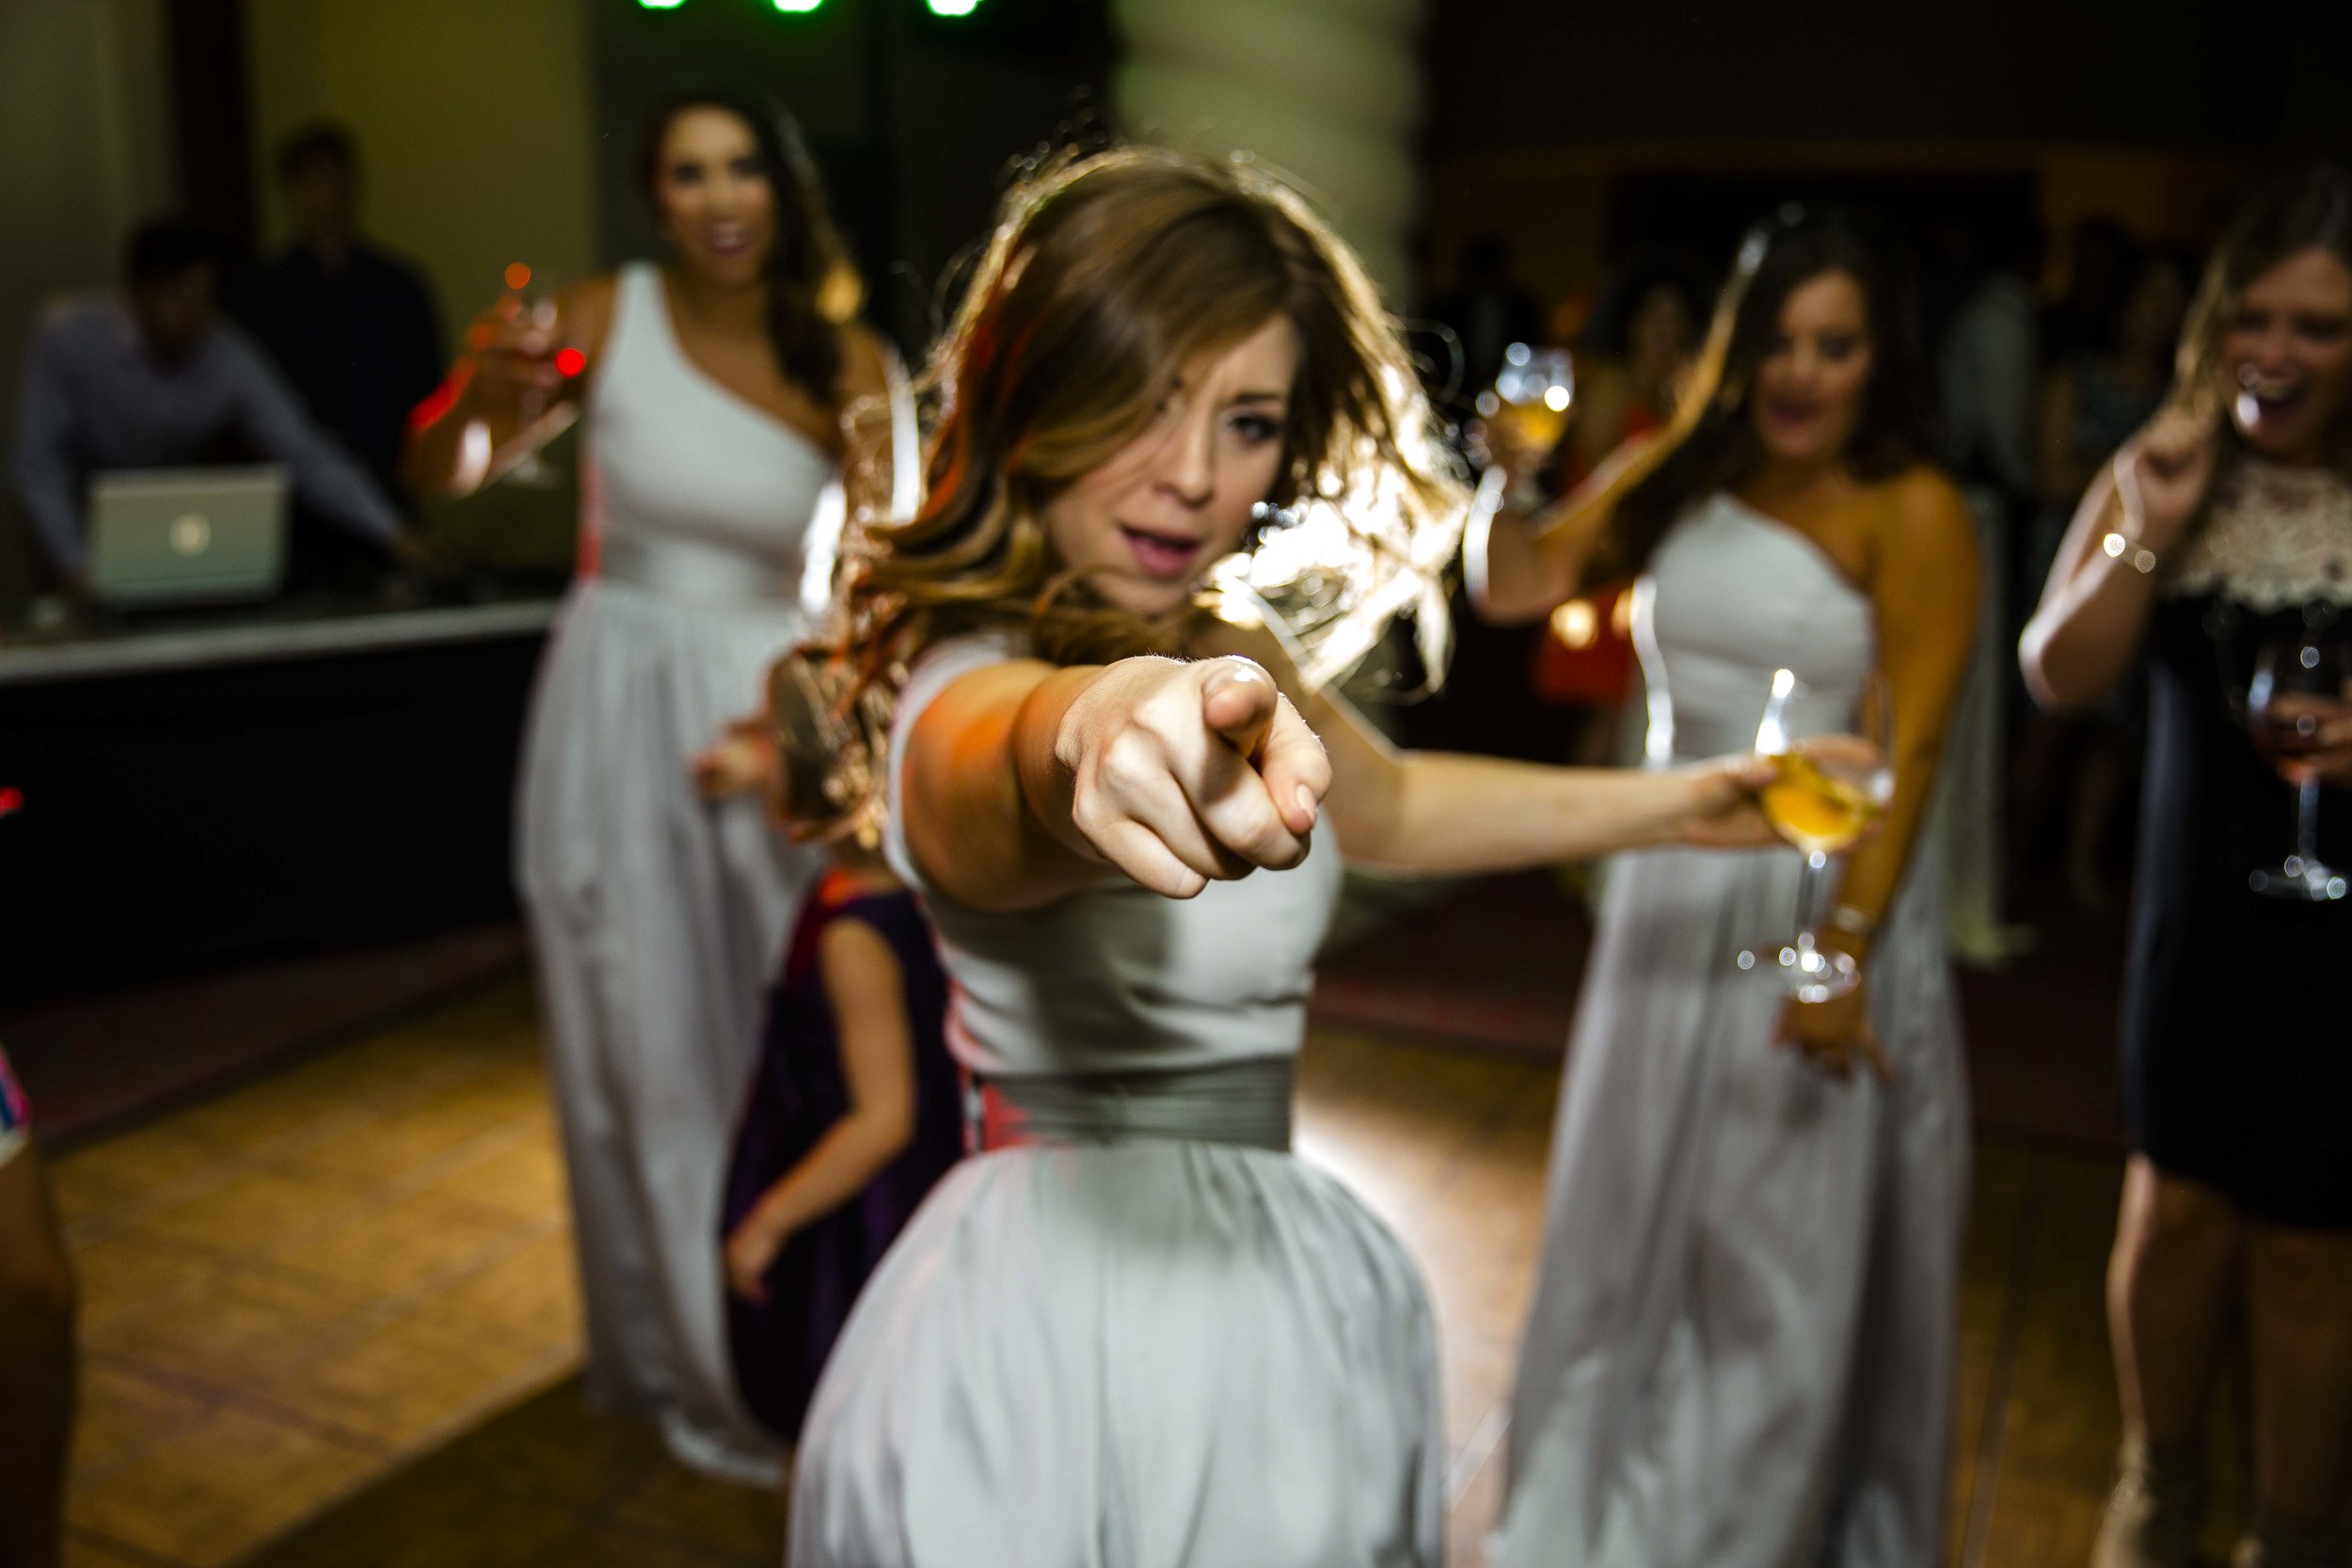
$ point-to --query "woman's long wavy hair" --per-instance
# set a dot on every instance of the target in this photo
(2311, 211)
(813, 287)
(1779, 256)
(1104, 277)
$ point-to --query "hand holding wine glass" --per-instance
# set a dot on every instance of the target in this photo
(1525, 413)
(2298, 712)
(518, 346)
(1828, 794)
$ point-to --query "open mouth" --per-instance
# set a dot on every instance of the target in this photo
(2263, 400)
(1167, 556)
(727, 240)
(1791, 413)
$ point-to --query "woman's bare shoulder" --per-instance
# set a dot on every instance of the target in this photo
(1922, 522)
(1920, 497)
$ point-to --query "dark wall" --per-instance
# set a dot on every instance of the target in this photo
(913, 118)
(1527, 73)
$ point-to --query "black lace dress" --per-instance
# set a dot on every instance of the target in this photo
(2238, 1030)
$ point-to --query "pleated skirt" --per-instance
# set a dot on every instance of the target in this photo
(1137, 1353)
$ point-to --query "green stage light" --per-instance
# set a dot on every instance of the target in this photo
(954, 7)
(797, 5)
(661, 5)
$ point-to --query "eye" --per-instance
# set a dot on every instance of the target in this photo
(1777, 344)
(747, 167)
(1256, 429)
(686, 174)
(1840, 345)
(2320, 329)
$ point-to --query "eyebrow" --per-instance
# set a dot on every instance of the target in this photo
(1264, 395)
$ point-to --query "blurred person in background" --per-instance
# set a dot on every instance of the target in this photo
(1487, 310)
(728, 392)
(1631, 363)
(2091, 403)
(37, 1307)
(351, 327)
(856, 1111)
(1740, 1347)
(153, 379)
(2099, 250)
(1986, 372)
(2225, 524)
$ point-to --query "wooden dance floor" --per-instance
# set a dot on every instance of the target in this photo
(331, 1315)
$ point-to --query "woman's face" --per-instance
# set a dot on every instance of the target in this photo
(2151, 317)
(713, 196)
(1658, 337)
(1807, 397)
(1180, 496)
(2286, 356)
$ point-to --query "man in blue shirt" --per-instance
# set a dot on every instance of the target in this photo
(155, 379)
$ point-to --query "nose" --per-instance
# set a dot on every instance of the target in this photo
(1187, 469)
(2274, 348)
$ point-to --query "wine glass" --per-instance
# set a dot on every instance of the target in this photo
(1531, 396)
(1822, 801)
(2301, 680)
(546, 407)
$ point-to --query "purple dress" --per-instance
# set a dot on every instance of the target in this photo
(799, 1092)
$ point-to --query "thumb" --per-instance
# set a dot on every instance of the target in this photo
(1239, 701)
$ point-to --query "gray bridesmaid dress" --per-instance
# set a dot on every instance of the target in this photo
(1141, 1334)
(1739, 1354)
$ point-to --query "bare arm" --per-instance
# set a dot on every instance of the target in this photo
(456, 435)
(865, 988)
(1602, 398)
(1439, 813)
(1924, 591)
(1023, 783)
(1522, 567)
(2087, 633)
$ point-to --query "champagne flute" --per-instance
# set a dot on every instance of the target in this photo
(1533, 395)
(1822, 802)
(546, 406)
(2301, 680)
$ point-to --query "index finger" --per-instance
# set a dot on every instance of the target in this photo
(1239, 700)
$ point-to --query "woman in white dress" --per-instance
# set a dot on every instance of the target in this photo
(1134, 1332)
(1740, 1349)
(714, 387)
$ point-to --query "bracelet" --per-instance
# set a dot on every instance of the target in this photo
(1847, 918)
(2141, 560)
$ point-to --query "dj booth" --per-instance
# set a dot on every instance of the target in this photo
(197, 790)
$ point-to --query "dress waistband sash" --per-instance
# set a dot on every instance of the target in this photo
(1243, 1102)
(692, 571)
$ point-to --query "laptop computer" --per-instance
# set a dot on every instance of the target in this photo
(187, 536)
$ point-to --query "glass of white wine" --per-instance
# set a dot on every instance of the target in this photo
(1533, 396)
(1825, 799)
